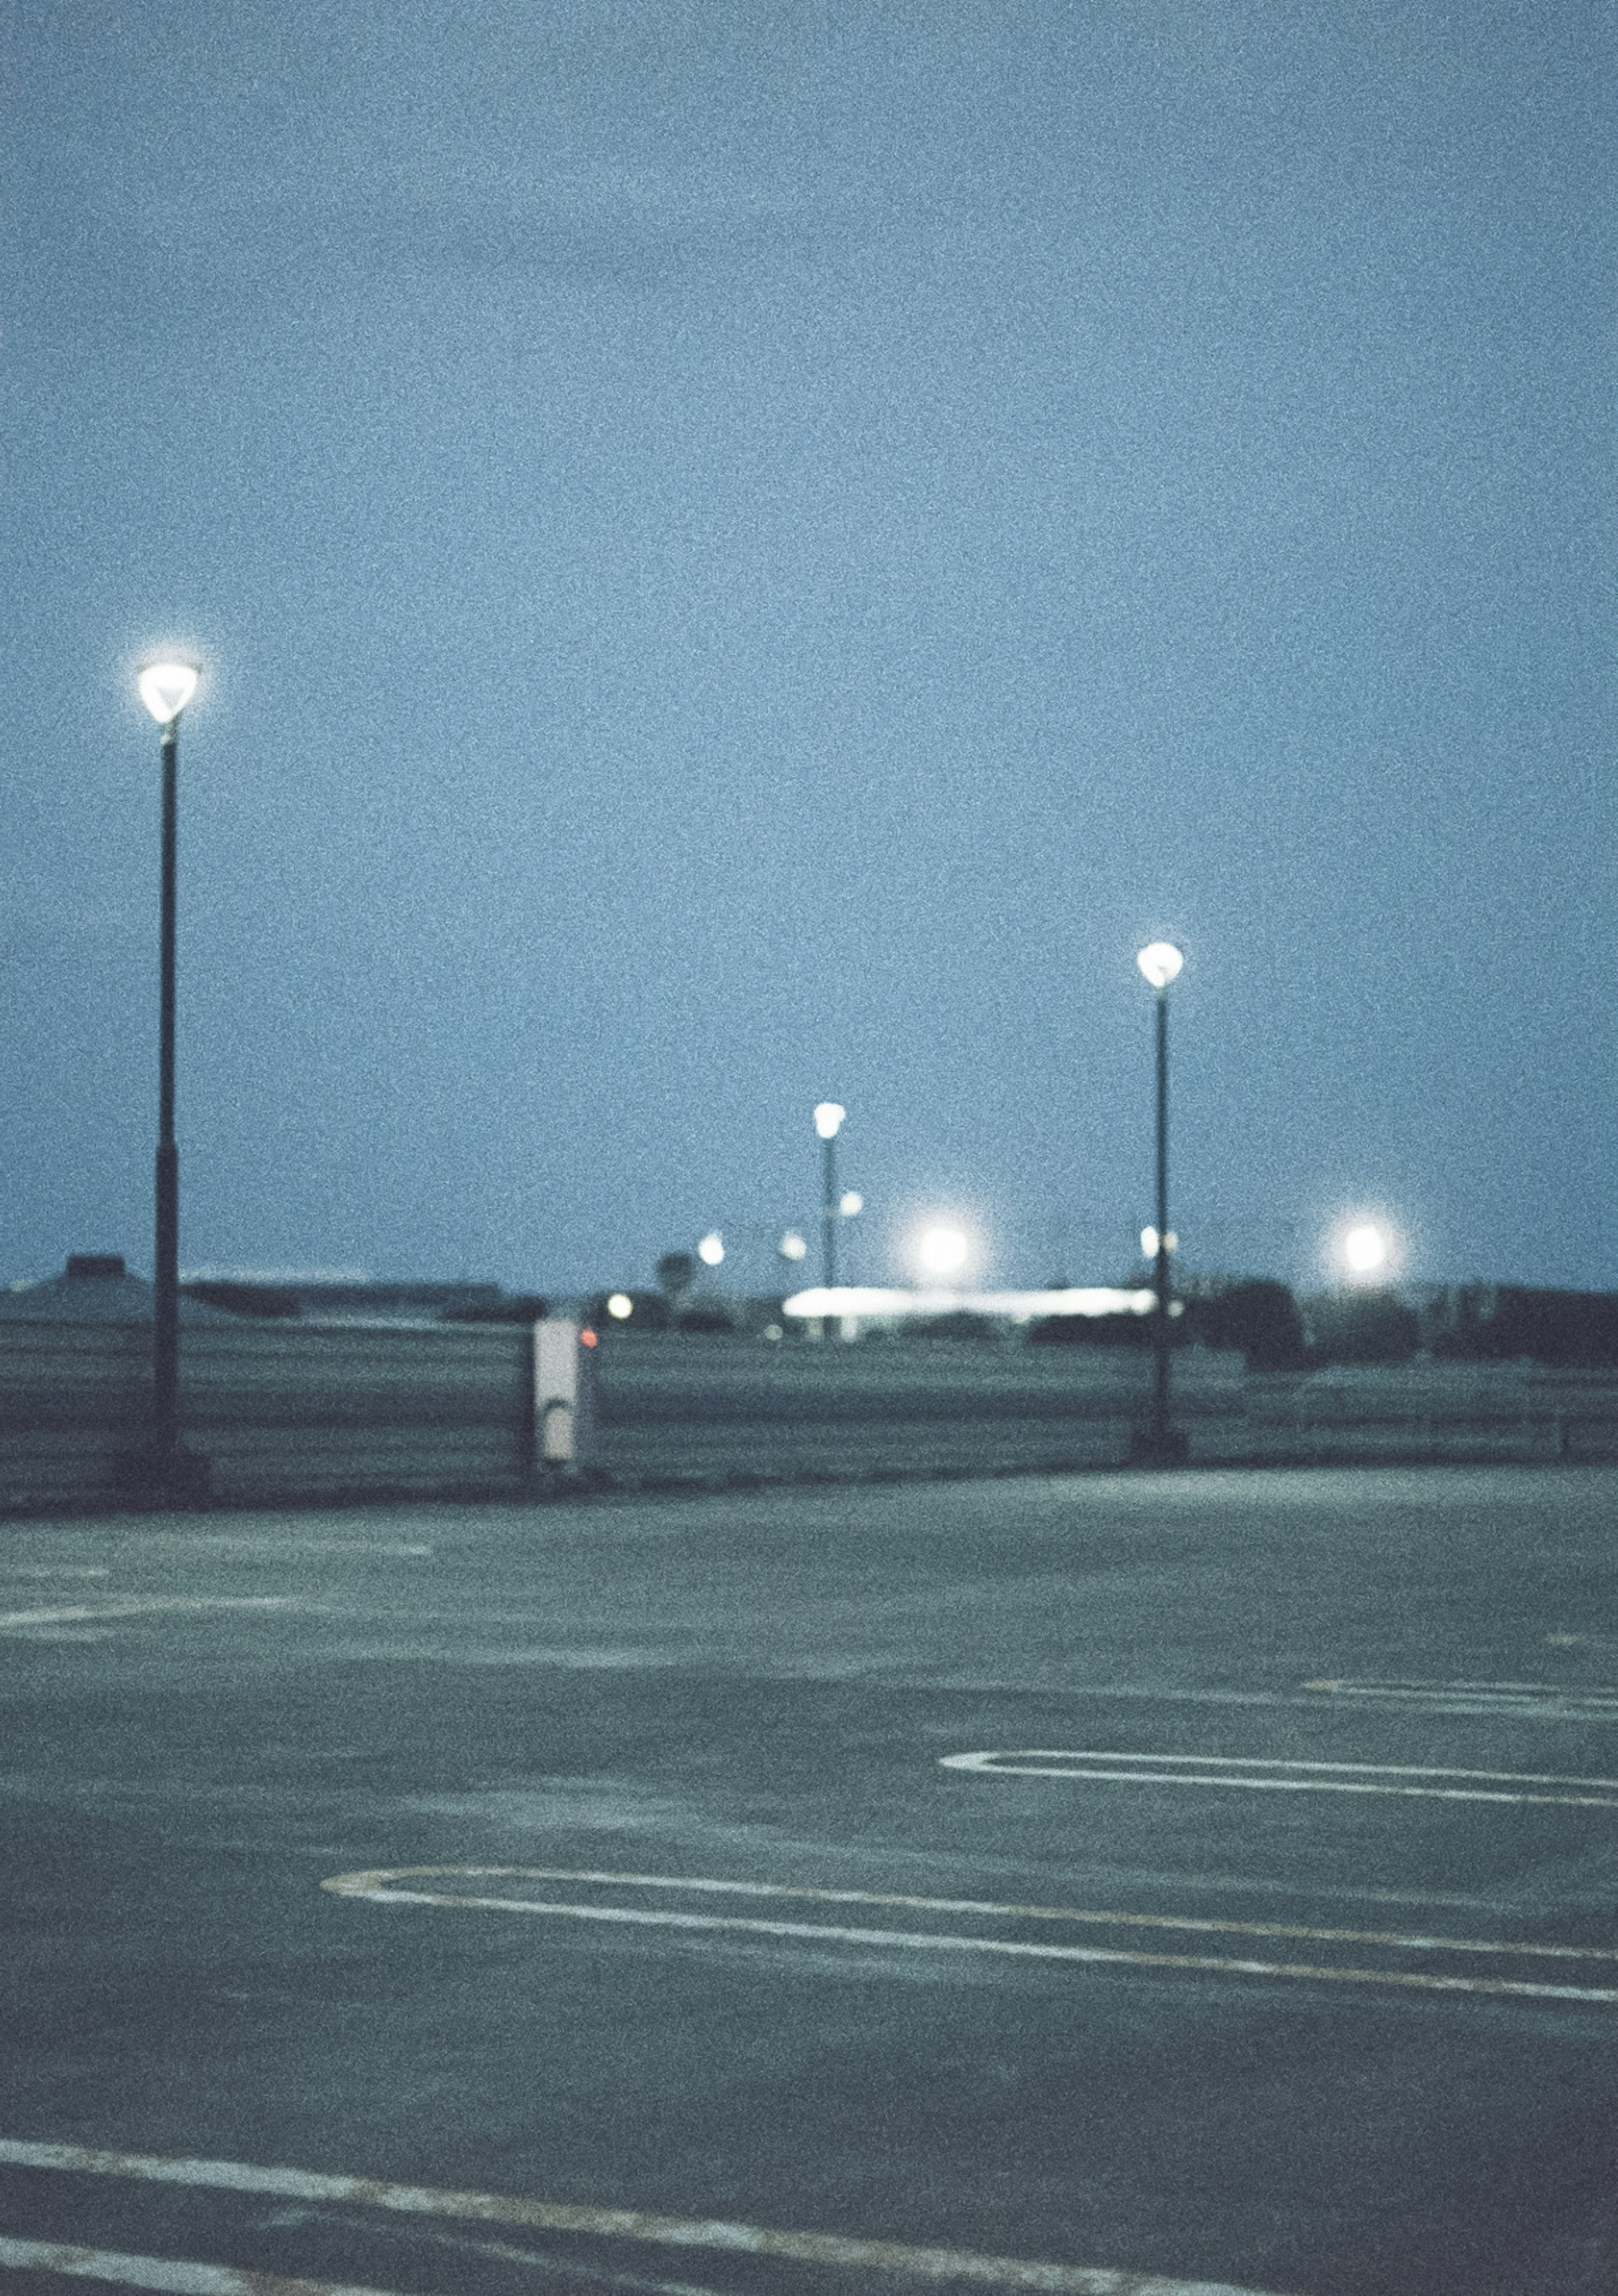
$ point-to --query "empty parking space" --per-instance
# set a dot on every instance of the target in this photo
(955, 1881)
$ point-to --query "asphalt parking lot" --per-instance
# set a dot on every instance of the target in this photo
(1118, 1885)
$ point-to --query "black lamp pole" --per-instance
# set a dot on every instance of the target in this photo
(1160, 1395)
(165, 1332)
(1159, 1444)
(828, 1210)
(165, 1471)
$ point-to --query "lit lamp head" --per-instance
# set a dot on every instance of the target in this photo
(711, 1251)
(166, 687)
(943, 1250)
(1367, 1248)
(828, 1118)
(1159, 961)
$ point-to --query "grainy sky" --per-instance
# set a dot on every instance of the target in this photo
(747, 553)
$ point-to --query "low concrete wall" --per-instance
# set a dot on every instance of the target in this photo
(684, 1409)
(290, 1412)
(279, 1410)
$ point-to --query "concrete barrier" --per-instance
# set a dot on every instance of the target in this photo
(287, 1412)
(284, 1411)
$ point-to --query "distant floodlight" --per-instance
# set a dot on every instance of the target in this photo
(1148, 1242)
(1365, 1248)
(166, 687)
(711, 1249)
(1160, 961)
(621, 1307)
(852, 1203)
(828, 1118)
(792, 1246)
(943, 1250)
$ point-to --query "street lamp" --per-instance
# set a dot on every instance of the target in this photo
(166, 687)
(828, 1120)
(1160, 963)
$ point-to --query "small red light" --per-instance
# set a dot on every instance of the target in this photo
(586, 1338)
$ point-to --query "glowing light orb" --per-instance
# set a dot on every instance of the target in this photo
(166, 687)
(828, 1117)
(792, 1245)
(711, 1249)
(852, 1202)
(621, 1307)
(1159, 961)
(943, 1250)
(1148, 1242)
(1365, 1249)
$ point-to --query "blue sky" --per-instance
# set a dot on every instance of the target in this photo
(744, 553)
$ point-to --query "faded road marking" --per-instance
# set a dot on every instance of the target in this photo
(379, 1887)
(62, 1614)
(170, 2274)
(1539, 1700)
(1282, 1777)
(832, 2249)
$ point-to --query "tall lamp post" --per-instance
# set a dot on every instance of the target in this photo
(166, 687)
(828, 1121)
(1162, 1446)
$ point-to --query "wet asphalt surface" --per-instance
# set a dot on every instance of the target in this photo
(206, 1718)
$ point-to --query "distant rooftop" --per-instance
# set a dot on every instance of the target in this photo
(95, 1287)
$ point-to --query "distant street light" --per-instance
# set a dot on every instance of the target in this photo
(828, 1121)
(166, 687)
(621, 1307)
(792, 1246)
(943, 1250)
(1160, 963)
(711, 1251)
(852, 1203)
(1367, 1248)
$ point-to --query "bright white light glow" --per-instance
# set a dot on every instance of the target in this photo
(166, 687)
(942, 1250)
(1148, 1241)
(1160, 961)
(711, 1249)
(828, 1116)
(852, 1203)
(855, 1300)
(792, 1246)
(1365, 1248)
(621, 1307)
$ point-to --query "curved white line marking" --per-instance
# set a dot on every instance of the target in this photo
(345, 1885)
(377, 1888)
(1278, 1777)
(1542, 1701)
(823, 2248)
(170, 2274)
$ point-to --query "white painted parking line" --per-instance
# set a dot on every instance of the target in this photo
(359, 1885)
(382, 1886)
(1259, 1775)
(135, 1606)
(1539, 1700)
(832, 2250)
(169, 2274)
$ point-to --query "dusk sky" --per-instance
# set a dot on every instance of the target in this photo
(750, 554)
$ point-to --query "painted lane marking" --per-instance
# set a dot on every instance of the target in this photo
(160, 2272)
(137, 1606)
(831, 2249)
(1280, 1777)
(348, 1885)
(377, 1888)
(1543, 1701)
